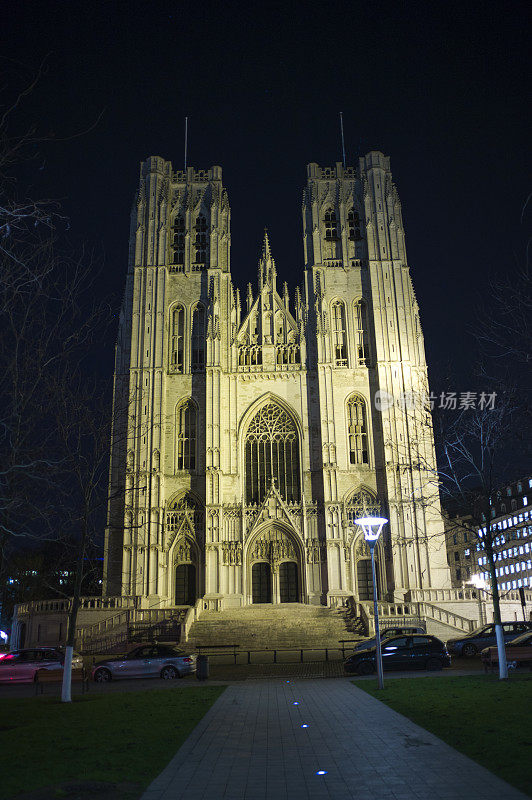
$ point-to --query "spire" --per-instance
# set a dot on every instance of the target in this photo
(267, 271)
(266, 252)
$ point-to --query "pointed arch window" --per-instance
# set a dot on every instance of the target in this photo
(178, 241)
(177, 339)
(353, 224)
(357, 430)
(200, 239)
(361, 334)
(271, 451)
(331, 225)
(339, 334)
(186, 424)
(198, 338)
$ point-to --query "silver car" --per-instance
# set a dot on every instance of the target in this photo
(25, 666)
(146, 661)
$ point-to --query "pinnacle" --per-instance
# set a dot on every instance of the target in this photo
(266, 252)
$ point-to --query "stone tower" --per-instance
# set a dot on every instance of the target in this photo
(249, 435)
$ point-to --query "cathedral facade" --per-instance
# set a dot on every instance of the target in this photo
(250, 432)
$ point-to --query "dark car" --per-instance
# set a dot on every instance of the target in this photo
(148, 661)
(387, 633)
(401, 652)
(482, 637)
(518, 652)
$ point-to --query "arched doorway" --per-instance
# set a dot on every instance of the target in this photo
(288, 582)
(185, 585)
(261, 581)
(365, 579)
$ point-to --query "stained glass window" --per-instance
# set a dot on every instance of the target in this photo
(272, 451)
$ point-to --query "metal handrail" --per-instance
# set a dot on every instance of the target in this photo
(273, 650)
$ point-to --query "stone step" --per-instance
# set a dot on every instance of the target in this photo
(271, 626)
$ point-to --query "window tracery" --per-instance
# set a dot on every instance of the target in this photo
(353, 224)
(200, 240)
(331, 225)
(198, 338)
(357, 430)
(177, 339)
(361, 334)
(178, 241)
(339, 334)
(186, 435)
(362, 503)
(272, 453)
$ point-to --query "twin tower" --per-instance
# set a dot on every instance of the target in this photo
(250, 431)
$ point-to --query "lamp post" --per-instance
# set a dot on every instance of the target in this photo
(480, 585)
(372, 527)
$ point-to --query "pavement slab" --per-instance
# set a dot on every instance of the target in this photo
(250, 746)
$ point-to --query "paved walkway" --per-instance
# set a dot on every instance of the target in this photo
(251, 746)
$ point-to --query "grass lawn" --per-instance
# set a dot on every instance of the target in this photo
(115, 737)
(482, 717)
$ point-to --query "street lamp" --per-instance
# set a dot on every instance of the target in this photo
(372, 527)
(480, 585)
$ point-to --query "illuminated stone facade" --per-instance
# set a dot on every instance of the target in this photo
(248, 434)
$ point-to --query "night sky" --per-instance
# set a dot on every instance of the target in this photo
(439, 87)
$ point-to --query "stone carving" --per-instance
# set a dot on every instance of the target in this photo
(362, 549)
(184, 553)
(232, 553)
(183, 518)
(273, 546)
(362, 503)
(316, 552)
(273, 508)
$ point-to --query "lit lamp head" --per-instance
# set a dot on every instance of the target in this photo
(372, 527)
(478, 582)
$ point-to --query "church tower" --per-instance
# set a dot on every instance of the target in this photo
(249, 435)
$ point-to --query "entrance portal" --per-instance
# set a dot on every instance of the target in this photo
(185, 585)
(261, 580)
(365, 579)
(288, 587)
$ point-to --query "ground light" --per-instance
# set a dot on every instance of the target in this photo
(321, 772)
(304, 725)
(372, 527)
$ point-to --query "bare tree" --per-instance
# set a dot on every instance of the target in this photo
(47, 320)
(475, 453)
(82, 410)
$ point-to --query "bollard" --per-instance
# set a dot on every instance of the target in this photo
(202, 667)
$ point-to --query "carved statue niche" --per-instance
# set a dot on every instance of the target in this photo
(232, 553)
(184, 553)
(273, 546)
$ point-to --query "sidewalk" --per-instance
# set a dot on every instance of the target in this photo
(251, 746)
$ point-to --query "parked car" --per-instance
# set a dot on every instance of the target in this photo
(148, 661)
(23, 666)
(482, 637)
(401, 652)
(518, 652)
(387, 633)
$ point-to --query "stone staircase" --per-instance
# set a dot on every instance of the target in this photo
(268, 626)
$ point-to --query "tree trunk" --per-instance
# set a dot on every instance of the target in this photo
(488, 547)
(66, 689)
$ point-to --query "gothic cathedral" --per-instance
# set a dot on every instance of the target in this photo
(249, 433)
